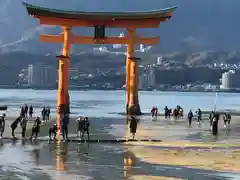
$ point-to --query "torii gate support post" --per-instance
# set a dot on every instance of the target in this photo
(66, 52)
(134, 107)
(61, 95)
(130, 53)
(132, 76)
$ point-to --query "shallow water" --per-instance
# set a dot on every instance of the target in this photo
(104, 103)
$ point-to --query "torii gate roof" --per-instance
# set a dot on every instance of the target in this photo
(157, 14)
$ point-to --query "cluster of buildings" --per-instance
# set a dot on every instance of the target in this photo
(147, 77)
(41, 76)
(230, 80)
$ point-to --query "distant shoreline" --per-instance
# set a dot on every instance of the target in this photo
(117, 89)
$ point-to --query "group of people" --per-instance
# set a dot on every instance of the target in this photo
(214, 117)
(46, 113)
(83, 125)
(176, 113)
(22, 120)
(52, 131)
(199, 117)
(26, 111)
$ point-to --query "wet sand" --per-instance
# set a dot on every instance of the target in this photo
(177, 131)
(201, 157)
(228, 161)
(153, 178)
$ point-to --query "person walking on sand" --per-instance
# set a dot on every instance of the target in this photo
(199, 116)
(64, 124)
(48, 113)
(156, 113)
(24, 127)
(52, 130)
(211, 115)
(79, 126)
(85, 127)
(166, 112)
(30, 111)
(26, 110)
(2, 124)
(190, 116)
(229, 117)
(22, 111)
(133, 126)
(36, 128)
(14, 125)
(215, 124)
(225, 119)
(44, 113)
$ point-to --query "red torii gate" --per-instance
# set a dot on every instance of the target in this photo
(99, 20)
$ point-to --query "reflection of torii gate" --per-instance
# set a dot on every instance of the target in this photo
(100, 20)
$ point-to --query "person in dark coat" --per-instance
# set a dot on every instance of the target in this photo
(169, 113)
(15, 124)
(199, 116)
(229, 117)
(36, 128)
(25, 110)
(211, 115)
(79, 121)
(133, 126)
(85, 127)
(190, 116)
(24, 127)
(153, 111)
(64, 124)
(30, 111)
(166, 112)
(22, 112)
(2, 124)
(215, 123)
(52, 130)
(44, 114)
(48, 111)
(156, 113)
(225, 119)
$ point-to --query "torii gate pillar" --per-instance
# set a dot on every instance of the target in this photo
(133, 106)
(67, 32)
(132, 76)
